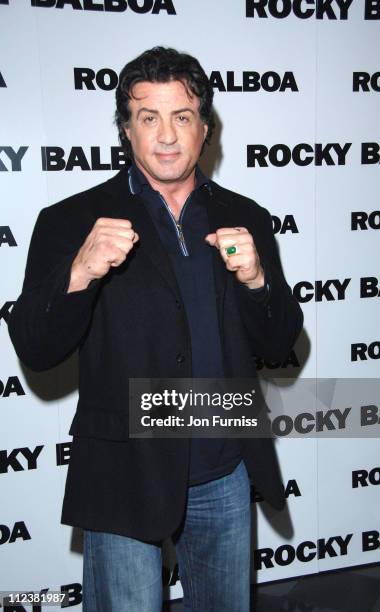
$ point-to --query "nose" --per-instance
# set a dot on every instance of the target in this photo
(167, 133)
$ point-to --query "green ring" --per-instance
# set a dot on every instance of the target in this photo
(231, 250)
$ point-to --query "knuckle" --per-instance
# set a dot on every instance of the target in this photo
(105, 245)
(116, 254)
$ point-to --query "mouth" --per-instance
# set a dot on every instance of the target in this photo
(167, 156)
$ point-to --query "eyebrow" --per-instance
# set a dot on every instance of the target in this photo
(155, 112)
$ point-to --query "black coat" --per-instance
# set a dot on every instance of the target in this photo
(132, 324)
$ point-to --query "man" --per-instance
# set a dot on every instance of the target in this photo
(159, 272)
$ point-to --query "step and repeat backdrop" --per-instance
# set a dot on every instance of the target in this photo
(297, 86)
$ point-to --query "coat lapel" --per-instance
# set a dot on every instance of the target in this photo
(219, 215)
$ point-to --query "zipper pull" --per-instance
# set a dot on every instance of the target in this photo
(179, 227)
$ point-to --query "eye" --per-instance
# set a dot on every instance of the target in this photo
(149, 119)
(182, 118)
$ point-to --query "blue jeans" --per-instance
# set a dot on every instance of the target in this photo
(121, 574)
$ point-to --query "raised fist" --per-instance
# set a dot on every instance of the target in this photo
(237, 248)
(106, 246)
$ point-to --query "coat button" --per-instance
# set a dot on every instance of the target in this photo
(178, 304)
(180, 358)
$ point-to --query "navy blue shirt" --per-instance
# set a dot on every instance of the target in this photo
(191, 258)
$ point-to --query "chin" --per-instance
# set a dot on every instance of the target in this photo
(170, 174)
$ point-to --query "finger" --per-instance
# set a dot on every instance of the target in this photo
(117, 258)
(239, 262)
(122, 233)
(110, 234)
(225, 240)
(240, 240)
(231, 230)
(230, 248)
(106, 245)
(211, 239)
(111, 222)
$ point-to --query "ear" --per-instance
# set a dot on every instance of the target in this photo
(127, 132)
(205, 130)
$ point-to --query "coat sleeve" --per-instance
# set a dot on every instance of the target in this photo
(272, 317)
(46, 323)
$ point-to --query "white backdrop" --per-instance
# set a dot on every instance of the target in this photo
(312, 50)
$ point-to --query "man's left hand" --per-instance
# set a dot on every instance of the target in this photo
(245, 261)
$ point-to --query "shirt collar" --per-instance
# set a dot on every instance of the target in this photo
(138, 181)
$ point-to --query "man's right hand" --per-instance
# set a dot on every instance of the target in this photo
(106, 246)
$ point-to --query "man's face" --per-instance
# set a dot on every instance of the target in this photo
(165, 130)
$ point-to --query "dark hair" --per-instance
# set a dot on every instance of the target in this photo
(161, 65)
